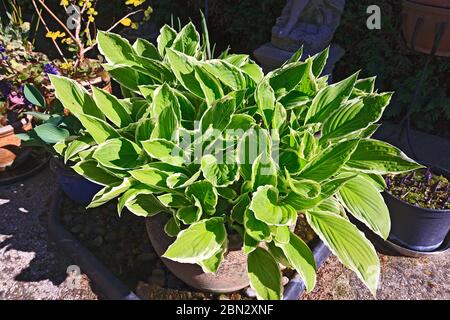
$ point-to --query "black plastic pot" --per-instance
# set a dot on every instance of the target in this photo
(76, 187)
(417, 228)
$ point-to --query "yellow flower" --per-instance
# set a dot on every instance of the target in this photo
(148, 12)
(126, 22)
(64, 3)
(135, 3)
(66, 65)
(67, 40)
(55, 35)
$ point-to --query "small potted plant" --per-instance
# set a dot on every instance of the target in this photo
(424, 23)
(19, 66)
(419, 204)
(222, 159)
(55, 130)
(78, 36)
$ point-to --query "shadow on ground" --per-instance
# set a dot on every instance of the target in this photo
(30, 267)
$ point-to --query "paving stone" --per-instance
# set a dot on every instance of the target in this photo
(402, 278)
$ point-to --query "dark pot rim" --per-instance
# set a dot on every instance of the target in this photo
(440, 171)
(417, 207)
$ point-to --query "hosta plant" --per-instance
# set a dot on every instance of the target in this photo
(222, 149)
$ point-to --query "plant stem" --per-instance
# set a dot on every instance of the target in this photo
(38, 22)
(48, 30)
(57, 19)
(80, 53)
(112, 28)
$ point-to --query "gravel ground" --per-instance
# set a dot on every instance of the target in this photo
(30, 267)
(123, 246)
(402, 278)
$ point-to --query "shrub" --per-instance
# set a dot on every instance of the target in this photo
(78, 34)
(221, 148)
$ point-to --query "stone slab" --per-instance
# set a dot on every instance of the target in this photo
(402, 278)
(271, 57)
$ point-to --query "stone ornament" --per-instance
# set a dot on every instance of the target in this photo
(311, 23)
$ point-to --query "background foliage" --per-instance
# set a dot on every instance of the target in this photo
(110, 11)
(246, 24)
(242, 24)
(398, 68)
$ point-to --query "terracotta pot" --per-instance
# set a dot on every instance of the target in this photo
(421, 22)
(231, 276)
(10, 151)
(102, 82)
(434, 3)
